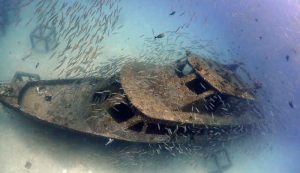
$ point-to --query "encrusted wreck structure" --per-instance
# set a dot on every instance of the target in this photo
(193, 99)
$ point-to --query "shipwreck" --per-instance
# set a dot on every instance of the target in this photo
(193, 99)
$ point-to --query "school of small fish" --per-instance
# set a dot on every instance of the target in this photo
(82, 27)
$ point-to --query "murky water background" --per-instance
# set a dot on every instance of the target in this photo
(261, 34)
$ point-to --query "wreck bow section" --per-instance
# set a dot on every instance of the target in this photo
(93, 106)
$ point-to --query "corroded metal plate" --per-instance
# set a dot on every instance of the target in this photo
(160, 94)
(222, 79)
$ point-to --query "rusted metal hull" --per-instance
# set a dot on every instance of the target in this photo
(144, 103)
(74, 105)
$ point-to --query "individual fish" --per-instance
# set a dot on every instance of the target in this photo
(169, 131)
(177, 29)
(161, 35)
(61, 63)
(37, 65)
(258, 85)
(27, 56)
(291, 104)
(158, 126)
(28, 165)
(172, 13)
(110, 140)
(202, 86)
(287, 57)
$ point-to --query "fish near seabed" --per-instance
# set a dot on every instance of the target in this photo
(161, 35)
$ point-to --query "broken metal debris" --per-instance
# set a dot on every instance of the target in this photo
(219, 161)
(192, 100)
(43, 38)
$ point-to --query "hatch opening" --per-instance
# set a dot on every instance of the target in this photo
(198, 85)
(121, 112)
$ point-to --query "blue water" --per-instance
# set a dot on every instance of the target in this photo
(259, 33)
